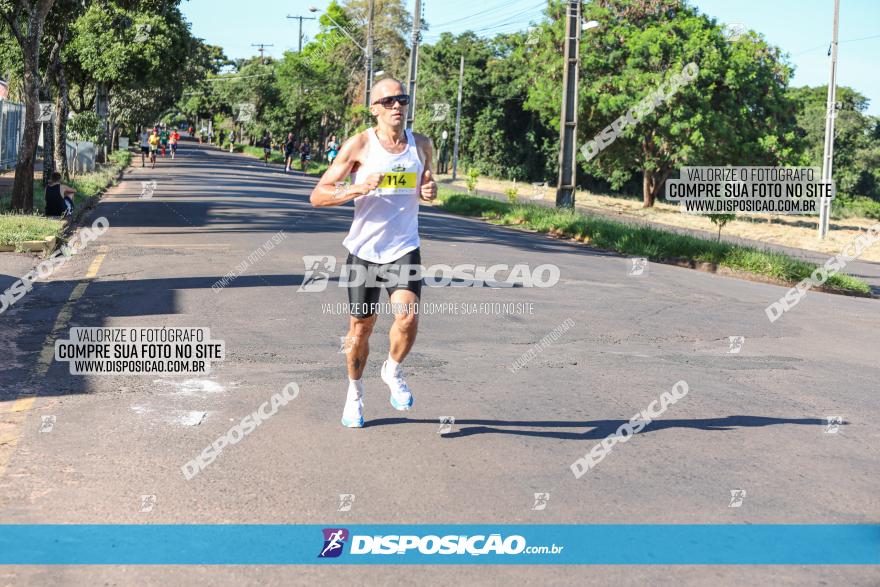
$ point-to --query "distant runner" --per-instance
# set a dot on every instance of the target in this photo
(145, 145)
(289, 152)
(392, 170)
(164, 135)
(154, 145)
(266, 143)
(332, 149)
(305, 153)
(172, 142)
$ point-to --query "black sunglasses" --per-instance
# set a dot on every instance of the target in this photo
(389, 101)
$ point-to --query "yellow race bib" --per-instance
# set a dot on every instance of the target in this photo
(401, 179)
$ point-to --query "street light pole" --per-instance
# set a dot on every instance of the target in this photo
(301, 19)
(414, 64)
(568, 123)
(369, 54)
(830, 115)
(457, 120)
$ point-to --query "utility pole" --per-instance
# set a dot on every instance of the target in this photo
(262, 47)
(369, 54)
(568, 124)
(457, 121)
(830, 115)
(414, 64)
(301, 19)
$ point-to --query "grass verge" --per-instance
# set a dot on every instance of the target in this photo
(312, 168)
(17, 228)
(656, 245)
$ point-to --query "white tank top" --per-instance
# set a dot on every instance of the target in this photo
(386, 221)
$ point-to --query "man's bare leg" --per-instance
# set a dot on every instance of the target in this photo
(406, 324)
(357, 347)
(402, 337)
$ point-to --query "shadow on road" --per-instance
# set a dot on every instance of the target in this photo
(595, 429)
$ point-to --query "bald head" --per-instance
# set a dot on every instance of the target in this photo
(385, 87)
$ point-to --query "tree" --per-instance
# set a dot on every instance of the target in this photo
(735, 110)
(25, 19)
(856, 168)
(122, 47)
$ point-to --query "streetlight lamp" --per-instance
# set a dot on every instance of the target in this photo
(368, 50)
(568, 123)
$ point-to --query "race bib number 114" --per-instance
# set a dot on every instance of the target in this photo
(398, 180)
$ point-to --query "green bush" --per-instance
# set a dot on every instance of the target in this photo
(642, 241)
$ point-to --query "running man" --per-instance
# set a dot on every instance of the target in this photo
(392, 170)
(145, 145)
(305, 153)
(289, 152)
(172, 142)
(266, 143)
(164, 135)
(154, 145)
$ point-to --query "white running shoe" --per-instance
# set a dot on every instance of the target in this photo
(353, 412)
(401, 396)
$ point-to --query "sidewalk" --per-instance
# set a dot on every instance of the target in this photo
(869, 271)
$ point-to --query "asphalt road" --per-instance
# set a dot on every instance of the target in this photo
(753, 420)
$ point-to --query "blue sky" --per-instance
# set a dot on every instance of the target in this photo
(802, 28)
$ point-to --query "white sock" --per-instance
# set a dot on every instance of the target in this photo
(391, 365)
(355, 389)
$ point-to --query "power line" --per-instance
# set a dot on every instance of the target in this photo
(301, 19)
(844, 41)
(262, 47)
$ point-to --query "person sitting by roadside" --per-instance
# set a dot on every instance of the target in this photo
(59, 197)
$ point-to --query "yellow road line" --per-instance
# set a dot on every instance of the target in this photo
(17, 410)
(180, 246)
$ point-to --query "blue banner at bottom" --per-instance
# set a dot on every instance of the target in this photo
(666, 544)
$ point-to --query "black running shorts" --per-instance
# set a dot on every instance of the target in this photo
(363, 296)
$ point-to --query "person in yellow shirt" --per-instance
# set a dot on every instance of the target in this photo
(154, 145)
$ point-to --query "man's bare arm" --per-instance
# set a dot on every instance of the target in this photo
(428, 191)
(331, 189)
